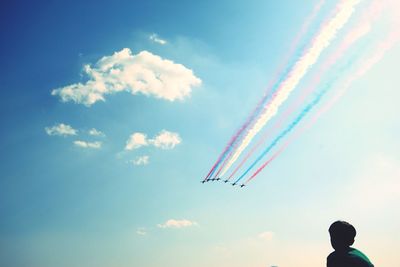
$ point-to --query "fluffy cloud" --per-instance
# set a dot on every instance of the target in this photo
(95, 132)
(84, 144)
(143, 73)
(136, 140)
(166, 140)
(154, 38)
(266, 235)
(177, 224)
(61, 129)
(141, 160)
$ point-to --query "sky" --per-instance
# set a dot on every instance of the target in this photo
(113, 113)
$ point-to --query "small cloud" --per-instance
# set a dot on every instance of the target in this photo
(268, 236)
(154, 37)
(84, 144)
(166, 140)
(136, 140)
(94, 132)
(143, 73)
(177, 224)
(141, 160)
(61, 130)
(141, 231)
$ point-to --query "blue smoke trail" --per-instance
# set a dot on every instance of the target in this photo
(297, 120)
(298, 52)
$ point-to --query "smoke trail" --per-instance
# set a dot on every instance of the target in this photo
(362, 28)
(271, 88)
(273, 85)
(223, 154)
(320, 42)
(302, 114)
(381, 50)
(288, 129)
(227, 152)
(235, 139)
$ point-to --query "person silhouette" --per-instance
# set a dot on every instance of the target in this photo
(342, 237)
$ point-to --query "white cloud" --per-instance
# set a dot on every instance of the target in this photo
(143, 73)
(141, 160)
(156, 39)
(84, 144)
(268, 235)
(95, 132)
(136, 140)
(141, 231)
(61, 129)
(166, 140)
(177, 224)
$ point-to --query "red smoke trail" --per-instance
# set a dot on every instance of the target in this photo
(323, 39)
(381, 50)
(361, 29)
(222, 154)
(234, 141)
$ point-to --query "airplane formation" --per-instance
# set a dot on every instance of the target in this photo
(219, 179)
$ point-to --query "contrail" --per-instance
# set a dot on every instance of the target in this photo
(326, 34)
(381, 50)
(232, 144)
(362, 28)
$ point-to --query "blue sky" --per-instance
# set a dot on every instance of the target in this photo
(78, 199)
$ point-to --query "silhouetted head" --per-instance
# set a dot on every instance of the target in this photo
(342, 235)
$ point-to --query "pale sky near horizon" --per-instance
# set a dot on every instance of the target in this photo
(111, 177)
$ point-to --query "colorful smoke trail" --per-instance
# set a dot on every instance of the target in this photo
(270, 105)
(322, 40)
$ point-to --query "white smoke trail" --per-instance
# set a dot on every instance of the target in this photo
(382, 48)
(324, 37)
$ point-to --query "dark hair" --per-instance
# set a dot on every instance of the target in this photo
(342, 234)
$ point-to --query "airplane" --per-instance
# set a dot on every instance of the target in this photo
(218, 179)
(226, 181)
(242, 185)
(234, 184)
(203, 181)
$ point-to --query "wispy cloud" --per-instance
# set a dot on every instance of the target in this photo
(141, 160)
(61, 130)
(166, 140)
(136, 140)
(156, 39)
(141, 231)
(95, 132)
(84, 144)
(268, 235)
(177, 224)
(163, 140)
(143, 73)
